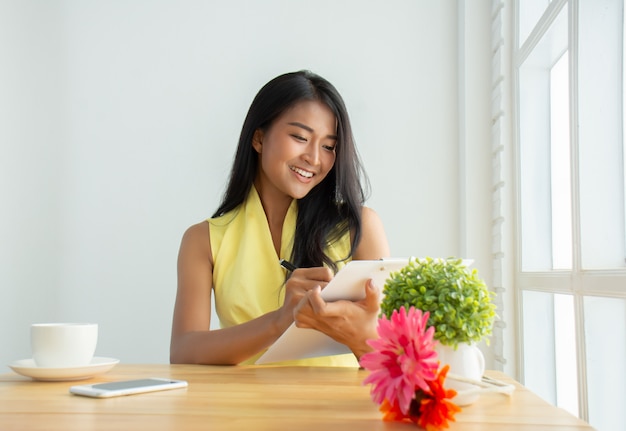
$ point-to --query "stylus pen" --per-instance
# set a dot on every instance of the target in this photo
(287, 265)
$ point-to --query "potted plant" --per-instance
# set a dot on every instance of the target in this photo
(460, 308)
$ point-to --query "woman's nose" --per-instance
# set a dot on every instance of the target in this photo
(312, 153)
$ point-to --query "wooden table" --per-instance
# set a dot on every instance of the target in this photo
(250, 398)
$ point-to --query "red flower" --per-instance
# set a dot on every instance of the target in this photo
(392, 413)
(436, 409)
(403, 360)
(431, 409)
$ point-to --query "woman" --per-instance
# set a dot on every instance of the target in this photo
(294, 193)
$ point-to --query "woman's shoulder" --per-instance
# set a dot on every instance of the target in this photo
(368, 212)
(196, 240)
(369, 217)
(197, 231)
(373, 243)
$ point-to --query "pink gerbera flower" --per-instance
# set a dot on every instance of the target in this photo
(403, 359)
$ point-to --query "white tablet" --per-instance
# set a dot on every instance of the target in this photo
(349, 283)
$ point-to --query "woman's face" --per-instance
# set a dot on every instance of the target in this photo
(297, 151)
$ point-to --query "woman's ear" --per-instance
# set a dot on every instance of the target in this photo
(257, 140)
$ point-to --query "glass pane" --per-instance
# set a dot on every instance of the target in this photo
(624, 120)
(550, 365)
(605, 337)
(529, 13)
(600, 134)
(537, 112)
(535, 170)
(539, 344)
(565, 353)
(560, 179)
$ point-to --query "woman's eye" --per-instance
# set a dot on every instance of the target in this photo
(329, 147)
(299, 138)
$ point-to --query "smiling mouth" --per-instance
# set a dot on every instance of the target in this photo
(302, 172)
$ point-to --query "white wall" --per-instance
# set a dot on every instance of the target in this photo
(119, 119)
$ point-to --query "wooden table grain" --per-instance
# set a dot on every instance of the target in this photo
(250, 398)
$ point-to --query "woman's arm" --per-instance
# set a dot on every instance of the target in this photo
(350, 323)
(192, 342)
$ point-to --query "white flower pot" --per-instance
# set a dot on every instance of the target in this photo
(466, 361)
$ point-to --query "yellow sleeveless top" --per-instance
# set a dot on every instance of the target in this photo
(247, 278)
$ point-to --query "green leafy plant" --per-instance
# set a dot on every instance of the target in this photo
(460, 304)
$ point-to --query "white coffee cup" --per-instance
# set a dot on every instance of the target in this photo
(63, 345)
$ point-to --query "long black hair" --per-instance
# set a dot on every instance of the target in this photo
(330, 209)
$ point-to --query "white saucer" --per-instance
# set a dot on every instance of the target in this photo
(27, 367)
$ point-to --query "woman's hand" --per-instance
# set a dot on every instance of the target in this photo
(348, 322)
(302, 280)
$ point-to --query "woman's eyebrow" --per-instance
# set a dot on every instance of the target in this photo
(308, 129)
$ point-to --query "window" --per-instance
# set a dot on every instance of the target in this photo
(571, 225)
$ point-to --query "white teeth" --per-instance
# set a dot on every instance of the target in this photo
(302, 172)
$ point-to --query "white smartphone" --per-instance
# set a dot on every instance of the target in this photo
(127, 387)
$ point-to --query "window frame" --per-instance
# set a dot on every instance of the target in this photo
(578, 282)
